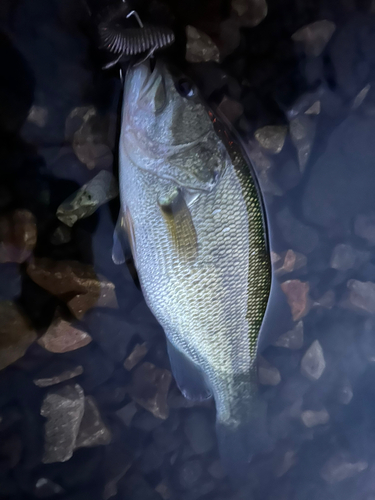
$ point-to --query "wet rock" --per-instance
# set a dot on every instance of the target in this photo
(149, 388)
(97, 368)
(127, 412)
(302, 132)
(135, 487)
(314, 109)
(137, 354)
(189, 474)
(340, 467)
(16, 334)
(166, 437)
(297, 293)
(345, 394)
(84, 202)
(249, 13)
(300, 237)
(45, 488)
(62, 336)
(364, 227)
(312, 418)
(199, 431)
(56, 372)
(38, 115)
(293, 339)
(66, 278)
(345, 257)
(362, 295)
(152, 459)
(61, 235)
(63, 407)
(361, 96)
(268, 374)
(200, 47)
(18, 235)
(313, 363)
(163, 491)
(145, 421)
(263, 167)
(118, 462)
(289, 261)
(289, 459)
(272, 137)
(230, 108)
(315, 36)
(327, 300)
(230, 37)
(92, 431)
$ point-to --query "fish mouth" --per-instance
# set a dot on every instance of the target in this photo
(153, 71)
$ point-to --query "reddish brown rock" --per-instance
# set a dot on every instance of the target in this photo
(138, 353)
(150, 387)
(62, 336)
(297, 293)
(16, 334)
(288, 262)
(18, 234)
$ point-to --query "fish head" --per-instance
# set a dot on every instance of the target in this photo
(167, 129)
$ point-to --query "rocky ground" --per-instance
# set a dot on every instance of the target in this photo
(88, 406)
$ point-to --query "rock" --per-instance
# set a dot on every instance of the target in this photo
(137, 354)
(364, 227)
(314, 109)
(149, 388)
(300, 237)
(360, 97)
(199, 431)
(327, 300)
(189, 474)
(297, 293)
(84, 202)
(10, 281)
(302, 132)
(263, 167)
(92, 431)
(61, 235)
(45, 488)
(249, 13)
(62, 336)
(288, 460)
(312, 418)
(152, 459)
(293, 339)
(56, 372)
(290, 261)
(362, 295)
(271, 137)
(268, 374)
(339, 467)
(200, 47)
(135, 487)
(127, 412)
(163, 491)
(230, 37)
(216, 470)
(315, 36)
(345, 394)
(145, 421)
(117, 462)
(97, 368)
(68, 277)
(345, 257)
(18, 234)
(16, 334)
(11, 449)
(313, 363)
(230, 108)
(63, 407)
(38, 115)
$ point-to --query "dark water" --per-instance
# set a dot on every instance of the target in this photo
(75, 422)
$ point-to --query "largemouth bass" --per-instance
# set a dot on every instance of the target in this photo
(194, 217)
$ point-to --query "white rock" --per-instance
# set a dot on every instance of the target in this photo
(312, 418)
(313, 363)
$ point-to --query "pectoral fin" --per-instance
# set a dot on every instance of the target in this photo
(123, 250)
(189, 377)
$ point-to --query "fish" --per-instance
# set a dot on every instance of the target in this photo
(193, 213)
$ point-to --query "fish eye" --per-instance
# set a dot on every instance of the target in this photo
(185, 88)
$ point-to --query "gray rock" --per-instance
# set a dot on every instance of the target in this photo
(293, 339)
(345, 394)
(288, 460)
(56, 372)
(216, 470)
(302, 132)
(312, 418)
(289, 261)
(300, 237)
(138, 353)
(61, 235)
(315, 36)
(117, 462)
(340, 467)
(249, 14)
(189, 474)
(362, 295)
(267, 374)
(199, 431)
(364, 226)
(45, 488)
(345, 257)
(272, 137)
(152, 458)
(313, 363)
(62, 336)
(200, 47)
(38, 115)
(127, 412)
(63, 407)
(92, 431)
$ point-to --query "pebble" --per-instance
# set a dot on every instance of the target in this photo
(339, 467)
(92, 431)
(313, 363)
(300, 237)
(45, 488)
(230, 37)
(189, 473)
(315, 36)
(345, 394)
(84, 202)
(56, 372)
(364, 226)
(345, 257)
(314, 109)
(16, 333)
(272, 137)
(230, 108)
(362, 295)
(18, 236)
(63, 408)
(268, 374)
(263, 167)
(137, 354)
(198, 429)
(297, 294)
(293, 339)
(127, 412)
(302, 132)
(289, 459)
(249, 13)
(360, 97)
(290, 261)
(312, 418)
(38, 115)
(163, 491)
(200, 47)
(61, 235)
(62, 336)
